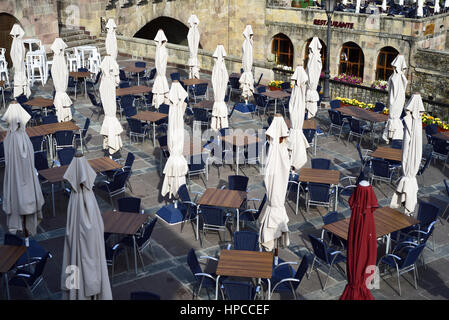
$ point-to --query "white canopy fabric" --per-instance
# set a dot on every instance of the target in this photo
(314, 66)
(357, 6)
(21, 85)
(176, 167)
(384, 5)
(419, 10)
(436, 8)
(397, 84)
(60, 76)
(407, 189)
(401, 2)
(84, 240)
(446, 4)
(160, 86)
(111, 39)
(297, 141)
(111, 128)
(193, 38)
(274, 221)
(246, 79)
(220, 79)
(22, 193)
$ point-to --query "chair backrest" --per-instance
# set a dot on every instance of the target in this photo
(330, 217)
(431, 129)
(427, 155)
(213, 215)
(127, 101)
(124, 84)
(129, 111)
(40, 266)
(258, 81)
(335, 117)
(93, 99)
(239, 290)
(140, 64)
(285, 85)
(319, 192)
(246, 240)
(183, 193)
(300, 273)
(321, 163)
(122, 75)
(237, 182)
(40, 160)
(200, 89)
(439, 146)
(334, 104)
(13, 240)
(261, 89)
(65, 155)
(164, 108)
(21, 99)
(354, 124)
(64, 137)
(2, 151)
(235, 84)
(309, 134)
(412, 256)
(37, 142)
(144, 295)
(427, 212)
(119, 180)
(447, 187)
(381, 168)
(262, 204)
(83, 70)
(197, 162)
(129, 204)
(396, 143)
(130, 159)
(379, 107)
(162, 141)
(193, 264)
(319, 248)
(152, 74)
(146, 233)
(135, 125)
(175, 76)
(86, 127)
(49, 119)
(200, 114)
(359, 150)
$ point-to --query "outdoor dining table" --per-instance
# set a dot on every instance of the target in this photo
(56, 174)
(331, 177)
(308, 124)
(276, 95)
(239, 141)
(8, 257)
(40, 102)
(223, 198)
(152, 117)
(386, 219)
(134, 69)
(132, 90)
(205, 104)
(82, 75)
(124, 223)
(442, 135)
(387, 153)
(247, 264)
(194, 81)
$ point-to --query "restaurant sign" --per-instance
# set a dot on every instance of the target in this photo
(336, 24)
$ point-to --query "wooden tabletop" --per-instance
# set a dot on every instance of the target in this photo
(123, 222)
(134, 69)
(191, 82)
(39, 102)
(56, 174)
(45, 129)
(190, 148)
(132, 90)
(240, 140)
(149, 116)
(277, 94)
(248, 264)
(204, 104)
(2, 83)
(235, 75)
(319, 176)
(308, 124)
(363, 114)
(222, 198)
(388, 153)
(9, 255)
(80, 74)
(387, 220)
(442, 135)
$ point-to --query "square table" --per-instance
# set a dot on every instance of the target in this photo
(388, 153)
(56, 174)
(194, 81)
(442, 135)
(205, 104)
(152, 117)
(386, 219)
(125, 223)
(134, 69)
(223, 198)
(134, 90)
(239, 141)
(276, 94)
(308, 124)
(331, 177)
(8, 257)
(40, 102)
(242, 263)
(83, 75)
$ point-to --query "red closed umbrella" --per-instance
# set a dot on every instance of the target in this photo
(362, 243)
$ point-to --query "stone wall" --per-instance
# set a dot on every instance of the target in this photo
(38, 18)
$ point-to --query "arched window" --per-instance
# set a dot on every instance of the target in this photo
(352, 60)
(323, 53)
(282, 48)
(384, 60)
(6, 23)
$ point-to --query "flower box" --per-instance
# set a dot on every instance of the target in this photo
(442, 130)
(273, 88)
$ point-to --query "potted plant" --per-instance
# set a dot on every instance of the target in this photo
(275, 85)
(296, 3)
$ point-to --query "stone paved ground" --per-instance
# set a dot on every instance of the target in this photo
(166, 272)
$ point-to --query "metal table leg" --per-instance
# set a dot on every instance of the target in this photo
(336, 198)
(53, 198)
(387, 247)
(135, 253)
(238, 219)
(216, 287)
(275, 105)
(197, 222)
(5, 276)
(237, 162)
(154, 134)
(85, 88)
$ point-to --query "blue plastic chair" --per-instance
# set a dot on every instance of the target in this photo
(64, 139)
(440, 150)
(175, 76)
(137, 129)
(38, 143)
(65, 155)
(321, 163)
(116, 186)
(49, 119)
(379, 107)
(199, 91)
(246, 240)
(239, 290)
(334, 104)
(336, 121)
(129, 204)
(253, 214)
(82, 136)
(97, 104)
(186, 205)
(357, 130)
(431, 129)
(396, 144)
(203, 279)
(201, 115)
(285, 279)
(144, 295)
(318, 195)
(382, 171)
(214, 219)
(237, 182)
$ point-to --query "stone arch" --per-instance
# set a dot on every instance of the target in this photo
(283, 49)
(6, 23)
(385, 57)
(351, 59)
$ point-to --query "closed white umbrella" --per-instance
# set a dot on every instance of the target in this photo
(60, 76)
(357, 6)
(22, 193)
(384, 5)
(397, 84)
(111, 39)
(274, 221)
(193, 38)
(21, 85)
(401, 2)
(436, 8)
(84, 269)
(160, 86)
(446, 4)
(419, 10)
(314, 66)
(111, 128)
(407, 189)
(344, 2)
(176, 167)
(297, 141)
(219, 84)
(246, 79)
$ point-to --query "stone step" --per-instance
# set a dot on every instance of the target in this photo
(71, 32)
(75, 37)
